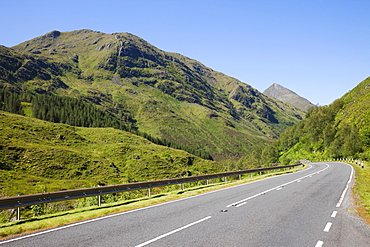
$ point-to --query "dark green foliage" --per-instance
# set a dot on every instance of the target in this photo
(73, 112)
(335, 131)
(10, 102)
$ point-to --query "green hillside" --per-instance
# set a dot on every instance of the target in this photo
(38, 156)
(165, 95)
(340, 130)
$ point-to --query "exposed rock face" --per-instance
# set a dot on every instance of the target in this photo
(287, 96)
(16, 69)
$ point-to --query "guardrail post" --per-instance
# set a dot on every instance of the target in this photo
(99, 199)
(207, 181)
(240, 177)
(225, 179)
(18, 214)
(148, 192)
(182, 186)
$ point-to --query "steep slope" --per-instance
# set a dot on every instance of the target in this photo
(166, 94)
(287, 96)
(340, 130)
(38, 156)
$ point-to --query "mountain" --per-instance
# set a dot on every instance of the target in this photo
(287, 96)
(165, 95)
(340, 130)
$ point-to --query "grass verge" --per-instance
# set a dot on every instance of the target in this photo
(361, 191)
(30, 225)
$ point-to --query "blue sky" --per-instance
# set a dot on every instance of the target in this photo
(317, 48)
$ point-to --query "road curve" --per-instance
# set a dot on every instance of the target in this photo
(306, 208)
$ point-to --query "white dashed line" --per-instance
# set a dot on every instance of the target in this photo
(172, 232)
(241, 204)
(275, 188)
(334, 214)
(327, 227)
(319, 243)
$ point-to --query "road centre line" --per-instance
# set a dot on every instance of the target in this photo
(319, 243)
(327, 227)
(241, 204)
(134, 210)
(275, 188)
(172, 232)
(334, 214)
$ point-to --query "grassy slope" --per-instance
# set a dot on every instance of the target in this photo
(350, 112)
(38, 156)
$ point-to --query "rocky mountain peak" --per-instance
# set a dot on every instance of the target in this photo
(288, 96)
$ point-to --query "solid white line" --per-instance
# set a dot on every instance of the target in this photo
(279, 188)
(319, 243)
(172, 232)
(334, 214)
(327, 227)
(345, 189)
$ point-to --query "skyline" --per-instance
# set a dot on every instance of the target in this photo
(318, 50)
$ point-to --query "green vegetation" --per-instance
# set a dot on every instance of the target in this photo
(362, 191)
(71, 111)
(340, 130)
(38, 156)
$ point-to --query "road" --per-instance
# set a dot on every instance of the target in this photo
(306, 208)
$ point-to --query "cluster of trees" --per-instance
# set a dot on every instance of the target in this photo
(10, 102)
(71, 111)
(322, 134)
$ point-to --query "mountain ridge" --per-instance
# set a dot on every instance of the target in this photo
(166, 94)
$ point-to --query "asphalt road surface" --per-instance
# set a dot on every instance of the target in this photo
(307, 208)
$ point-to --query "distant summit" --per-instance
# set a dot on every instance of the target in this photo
(287, 96)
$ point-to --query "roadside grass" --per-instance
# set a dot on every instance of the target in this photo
(44, 222)
(361, 191)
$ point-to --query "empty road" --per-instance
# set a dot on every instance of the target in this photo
(306, 208)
